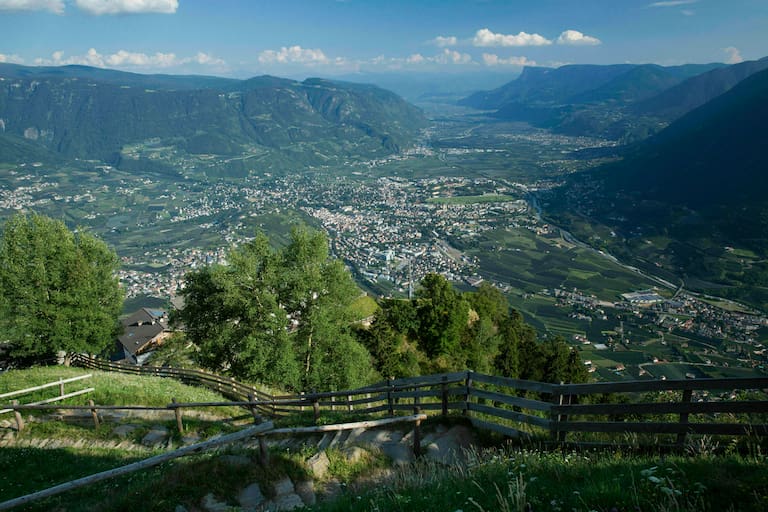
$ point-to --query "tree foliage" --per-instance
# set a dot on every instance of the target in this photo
(444, 330)
(279, 316)
(58, 289)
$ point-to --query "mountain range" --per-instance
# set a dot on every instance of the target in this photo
(700, 183)
(89, 113)
(625, 102)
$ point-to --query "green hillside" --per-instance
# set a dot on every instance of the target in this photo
(80, 112)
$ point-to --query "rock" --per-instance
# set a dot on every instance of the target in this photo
(190, 438)
(284, 486)
(449, 449)
(211, 504)
(376, 438)
(325, 441)
(123, 431)
(157, 435)
(306, 491)
(400, 454)
(287, 501)
(5, 424)
(331, 489)
(354, 453)
(318, 464)
(250, 497)
(354, 435)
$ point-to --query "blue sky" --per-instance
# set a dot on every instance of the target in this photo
(326, 37)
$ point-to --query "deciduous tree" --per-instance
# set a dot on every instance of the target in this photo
(58, 289)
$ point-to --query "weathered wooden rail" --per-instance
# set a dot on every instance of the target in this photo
(514, 407)
(61, 396)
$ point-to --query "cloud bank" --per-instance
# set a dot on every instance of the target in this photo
(444, 41)
(94, 7)
(124, 58)
(101, 7)
(734, 55)
(576, 38)
(54, 6)
(490, 59)
(293, 55)
(485, 38)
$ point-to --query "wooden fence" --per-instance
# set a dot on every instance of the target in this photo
(61, 396)
(515, 407)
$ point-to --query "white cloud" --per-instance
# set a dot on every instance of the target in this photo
(416, 58)
(576, 38)
(55, 6)
(444, 41)
(207, 59)
(490, 59)
(734, 55)
(688, 12)
(99, 7)
(126, 59)
(12, 59)
(451, 57)
(485, 37)
(672, 3)
(293, 54)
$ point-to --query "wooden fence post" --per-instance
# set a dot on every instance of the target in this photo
(254, 412)
(94, 414)
(416, 428)
(687, 395)
(555, 418)
(177, 412)
(316, 406)
(349, 403)
(263, 452)
(61, 387)
(468, 393)
(390, 398)
(19, 419)
(444, 395)
(301, 407)
(333, 403)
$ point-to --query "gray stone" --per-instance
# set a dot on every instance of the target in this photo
(190, 438)
(211, 504)
(250, 497)
(331, 489)
(306, 491)
(338, 439)
(318, 464)
(400, 454)
(354, 435)
(123, 431)
(354, 453)
(284, 486)
(287, 502)
(157, 435)
(449, 449)
(378, 437)
(325, 441)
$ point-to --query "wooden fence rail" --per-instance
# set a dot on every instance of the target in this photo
(61, 396)
(514, 407)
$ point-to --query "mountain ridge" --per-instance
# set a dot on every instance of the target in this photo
(69, 112)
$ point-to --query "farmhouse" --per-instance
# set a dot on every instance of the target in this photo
(143, 331)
